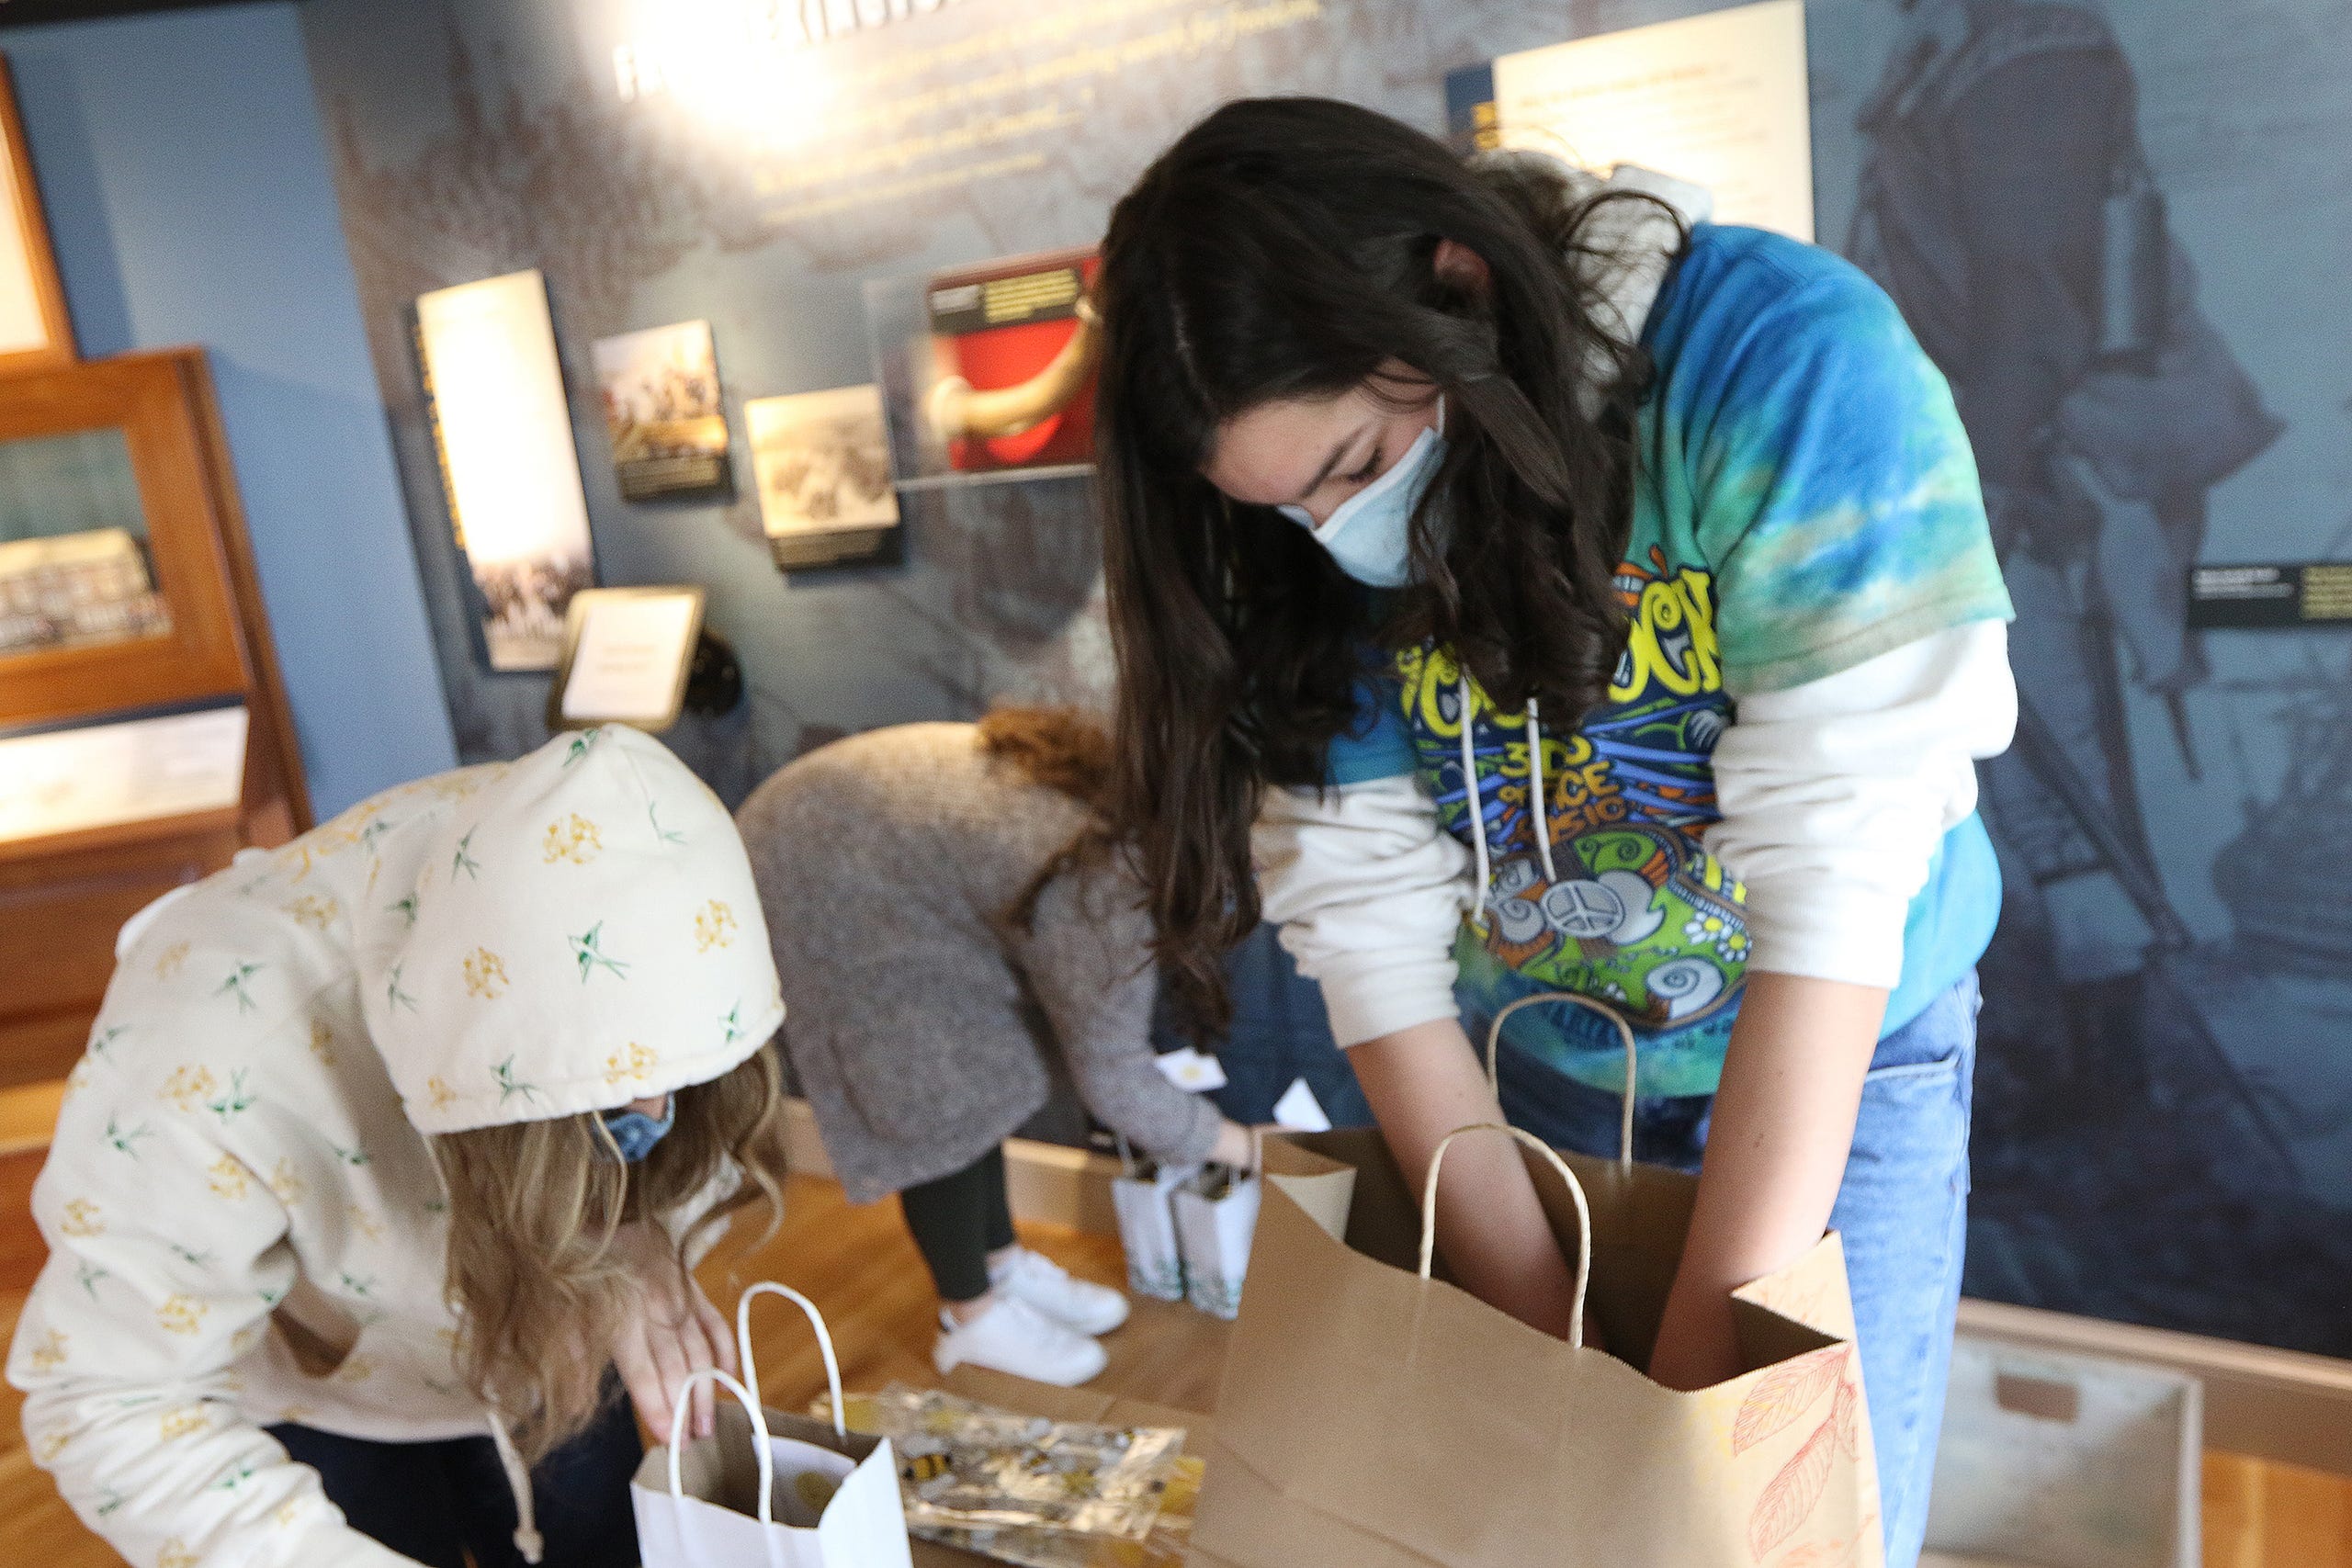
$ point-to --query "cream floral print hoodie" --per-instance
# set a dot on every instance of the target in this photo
(244, 1219)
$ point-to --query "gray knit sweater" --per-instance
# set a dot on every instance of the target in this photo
(918, 1023)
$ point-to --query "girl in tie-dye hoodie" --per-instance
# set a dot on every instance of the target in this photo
(1574, 596)
(387, 1146)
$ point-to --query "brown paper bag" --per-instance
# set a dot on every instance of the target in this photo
(1374, 1417)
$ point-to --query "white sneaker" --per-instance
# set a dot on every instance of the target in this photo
(1033, 1278)
(1013, 1336)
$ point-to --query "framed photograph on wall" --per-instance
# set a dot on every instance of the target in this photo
(626, 654)
(822, 463)
(495, 387)
(662, 405)
(34, 327)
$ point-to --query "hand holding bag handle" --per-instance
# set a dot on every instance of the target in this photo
(751, 1403)
(1576, 1191)
(1624, 1033)
(824, 1348)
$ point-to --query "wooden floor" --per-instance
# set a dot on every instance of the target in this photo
(862, 1272)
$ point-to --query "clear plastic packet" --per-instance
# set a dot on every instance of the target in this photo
(969, 1467)
(1171, 1531)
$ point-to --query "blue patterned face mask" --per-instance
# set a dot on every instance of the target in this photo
(634, 1132)
(1369, 536)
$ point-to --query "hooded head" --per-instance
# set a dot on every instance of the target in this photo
(583, 932)
(579, 931)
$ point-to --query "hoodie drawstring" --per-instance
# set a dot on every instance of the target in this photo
(528, 1540)
(1470, 783)
(1478, 805)
(1543, 808)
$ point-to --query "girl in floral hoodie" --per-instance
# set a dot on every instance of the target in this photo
(388, 1148)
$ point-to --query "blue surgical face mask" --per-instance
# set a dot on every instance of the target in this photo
(1370, 534)
(634, 1132)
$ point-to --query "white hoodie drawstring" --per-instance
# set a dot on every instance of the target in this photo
(1471, 795)
(1543, 810)
(528, 1540)
(1478, 805)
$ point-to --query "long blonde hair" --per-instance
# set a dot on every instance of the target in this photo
(534, 1208)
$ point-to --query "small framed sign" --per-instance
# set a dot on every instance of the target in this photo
(626, 653)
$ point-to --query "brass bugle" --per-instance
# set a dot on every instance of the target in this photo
(957, 411)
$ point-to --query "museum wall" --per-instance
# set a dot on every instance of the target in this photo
(2165, 1102)
(188, 198)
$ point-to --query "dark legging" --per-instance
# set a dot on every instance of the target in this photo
(958, 1221)
(440, 1503)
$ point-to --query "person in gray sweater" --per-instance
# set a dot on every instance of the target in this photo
(949, 920)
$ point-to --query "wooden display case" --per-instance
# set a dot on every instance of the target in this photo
(127, 591)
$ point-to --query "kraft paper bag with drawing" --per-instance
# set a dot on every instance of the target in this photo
(769, 1490)
(1374, 1417)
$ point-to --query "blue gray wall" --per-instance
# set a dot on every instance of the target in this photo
(185, 178)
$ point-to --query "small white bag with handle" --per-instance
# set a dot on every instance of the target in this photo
(1217, 1215)
(769, 1490)
(1143, 1196)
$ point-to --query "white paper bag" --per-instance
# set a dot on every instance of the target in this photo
(769, 1490)
(1216, 1213)
(1140, 1195)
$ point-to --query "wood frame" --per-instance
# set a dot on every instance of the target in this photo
(64, 894)
(33, 232)
(157, 402)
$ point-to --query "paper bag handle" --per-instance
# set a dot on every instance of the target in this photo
(1624, 1033)
(1576, 1191)
(824, 1344)
(750, 1403)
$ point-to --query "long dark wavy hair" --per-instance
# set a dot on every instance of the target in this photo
(1285, 248)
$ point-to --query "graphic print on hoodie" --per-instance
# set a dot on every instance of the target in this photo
(1805, 500)
(246, 1223)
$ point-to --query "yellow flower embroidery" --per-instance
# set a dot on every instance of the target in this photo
(169, 961)
(181, 1314)
(322, 1041)
(443, 1095)
(715, 926)
(243, 1340)
(362, 1223)
(286, 1184)
(298, 855)
(297, 1414)
(286, 1514)
(485, 974)
(355, 1369)
(52, 1444)
(229, 1179)
(189, 1088)
(47, 1353)
(174, 1554)
(81, 1219)
(634, 1061)
(77, 1079)
(574, 839)
(185, 1421)
(310, 909)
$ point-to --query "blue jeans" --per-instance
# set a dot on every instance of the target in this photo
(1902, 1213)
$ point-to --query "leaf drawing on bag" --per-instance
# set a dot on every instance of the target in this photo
(1790, 1499)
(1787, 1392)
